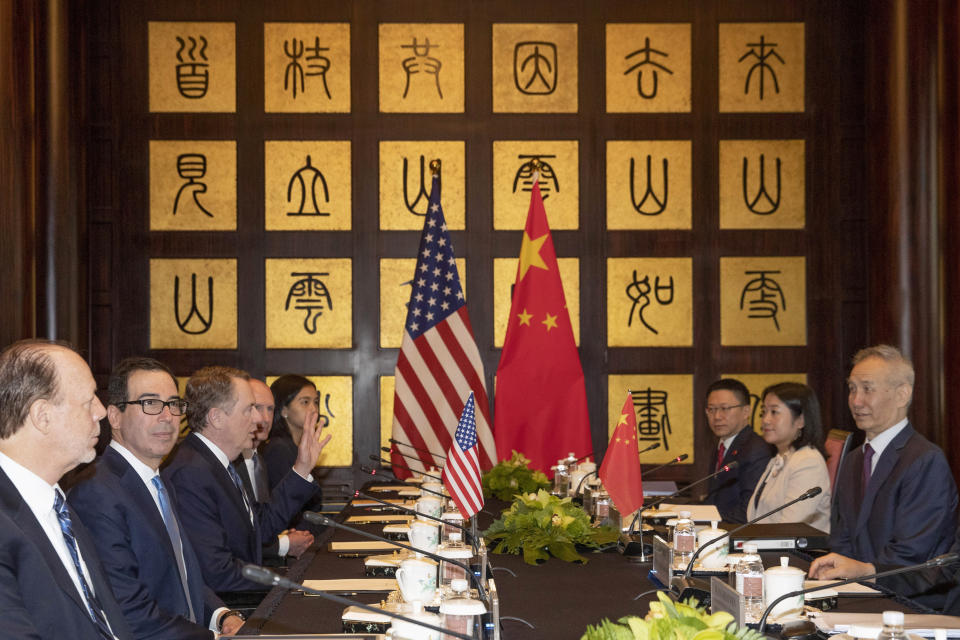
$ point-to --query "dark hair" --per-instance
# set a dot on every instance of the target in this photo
(27, 374)
(732, 385)
(285, 389)
(208, 388)
(802, 401)
(117, 386)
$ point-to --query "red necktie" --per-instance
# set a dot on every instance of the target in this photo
(720, 453)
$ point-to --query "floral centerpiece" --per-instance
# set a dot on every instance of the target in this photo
(540, 525)
(668, 620)
(510, 477)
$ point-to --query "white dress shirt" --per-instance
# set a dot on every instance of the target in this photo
(882, 439)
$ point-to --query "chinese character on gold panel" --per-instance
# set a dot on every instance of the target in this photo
(649, 302)
(192, 66)
(336, 405)
(406, 180)
(535, 68)
(306, 67)
(762, 67)
(664, 408)
(307, 185)
(193, 303)
(763, 301)
(309, 304)
(387, 388)
(396, 281)
(648, 184)
(193, 185)
(648, 68)
(762, 184)
(504, 277)
(559, 182)
(756, 383)
(421, 68)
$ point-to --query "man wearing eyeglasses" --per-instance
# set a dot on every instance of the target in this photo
(728, 414)
(133, 515)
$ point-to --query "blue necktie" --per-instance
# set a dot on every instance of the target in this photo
(173, 530)
(243, 493)
(93, 605)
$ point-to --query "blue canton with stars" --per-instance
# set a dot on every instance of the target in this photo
(467, 428)
(436, 284)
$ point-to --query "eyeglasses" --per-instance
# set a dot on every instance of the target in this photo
(723, 409)
(154, 406)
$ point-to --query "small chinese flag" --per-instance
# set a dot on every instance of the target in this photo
(620, 471)
(541, 401)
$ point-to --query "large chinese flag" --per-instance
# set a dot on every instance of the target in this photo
(540, 400)
(620, 471)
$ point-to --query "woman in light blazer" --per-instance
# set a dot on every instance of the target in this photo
(791, 422)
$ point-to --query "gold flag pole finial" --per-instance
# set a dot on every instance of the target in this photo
(535, 165)
(435, 167)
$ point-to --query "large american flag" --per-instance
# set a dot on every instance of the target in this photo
(439, 363)
(461, 476)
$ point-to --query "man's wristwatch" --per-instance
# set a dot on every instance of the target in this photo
(227, 614)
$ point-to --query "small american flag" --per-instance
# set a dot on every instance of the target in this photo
(461, 475)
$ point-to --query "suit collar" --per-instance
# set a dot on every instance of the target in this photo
(881, 471)
(139, 494)
(219, 471)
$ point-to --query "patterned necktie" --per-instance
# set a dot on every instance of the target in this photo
(93, 604)
(720, 453)
(867, 465)
(260, 485)
(173, 530)
(243, 493)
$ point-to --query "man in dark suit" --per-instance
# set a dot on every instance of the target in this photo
(51, 582)
(728, 414)
(253, 473)
(134, 518)
(226, 527)
(896, 500)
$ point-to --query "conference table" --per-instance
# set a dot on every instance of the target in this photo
(553, 600)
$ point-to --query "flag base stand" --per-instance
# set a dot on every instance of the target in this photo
(632, 544)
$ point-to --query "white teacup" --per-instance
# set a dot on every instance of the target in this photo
(424, 535)
(714, 557)
(432, 488)
(430, 506)
(417, 579)
(400, 630)
(780, 580)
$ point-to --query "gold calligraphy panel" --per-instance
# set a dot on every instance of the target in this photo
(664, 408)
(309, 303)
(762, 66)
(336, 404)
(513, 181)
(649, 184)
(649, 302)
(396, 277)
(307, 185)
(387, 388)
(306, 67)
(193, 303)
(405, 183)
(756, 383)
(648, 68)
(192, 66)
(421, 68)
(535, 68)
(504, 276)
(193, 185)
(763, 301)
(762, 184)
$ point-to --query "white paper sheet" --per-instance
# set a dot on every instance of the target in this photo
(353, 585)
(854, 589)
(698, 512)
(914, 623)
(362, 545)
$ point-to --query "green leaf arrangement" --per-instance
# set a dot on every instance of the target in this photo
(668, 620)
(540, 525)
(510, 477)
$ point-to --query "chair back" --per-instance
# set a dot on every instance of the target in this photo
(837, 444)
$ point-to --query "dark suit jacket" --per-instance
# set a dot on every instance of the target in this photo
(216, 521)
(908, 512)
(930, 585)
(271, 550)
(38, 600)
(117, 508)
(731, 491)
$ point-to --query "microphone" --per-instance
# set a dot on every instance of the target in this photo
(401, 454)
(374, 472)
(939, 561)
(316, 518)
(361, 494)
(679, 458)
(269, 578)
(404, 444)
(377, 458)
